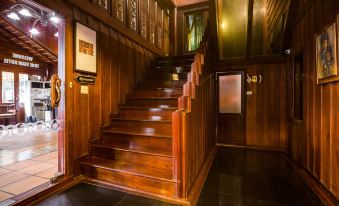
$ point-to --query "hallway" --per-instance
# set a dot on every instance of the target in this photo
(237, 177)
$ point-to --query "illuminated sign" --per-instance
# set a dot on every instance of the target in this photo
(17, 60)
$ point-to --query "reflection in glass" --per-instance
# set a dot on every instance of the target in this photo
(7, 87)
(195, 29)
(22, 79)
(232, 20)
(230, 94)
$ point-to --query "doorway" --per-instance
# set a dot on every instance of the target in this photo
(231, 108)
(31, 135)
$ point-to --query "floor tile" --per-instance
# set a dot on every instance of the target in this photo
(34, 169)
(46, 157)
(20, 165)
(4, 196)
(24, 185)
(49, 173)
(11, 177)
(4, 171)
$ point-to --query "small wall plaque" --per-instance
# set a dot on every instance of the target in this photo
(85, 80)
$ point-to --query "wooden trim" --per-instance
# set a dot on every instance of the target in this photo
(254, 147)
(322, 193)
(270, 59)
(115, 24)
(199, 5)
(135, 192)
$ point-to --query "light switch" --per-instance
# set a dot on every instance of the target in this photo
(84, 90)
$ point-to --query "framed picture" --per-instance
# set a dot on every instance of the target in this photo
(85, 49)
(326, 55)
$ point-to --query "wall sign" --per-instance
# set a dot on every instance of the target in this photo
(85, 49)
(21, 60)
(254, 79)
(83, 79)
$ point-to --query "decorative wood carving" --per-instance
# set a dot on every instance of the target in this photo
(152, 21)
(132, 7)
(159, 27)
(143, 18)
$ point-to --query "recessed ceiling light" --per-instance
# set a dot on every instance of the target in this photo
(55, 19)
(13, 16)
(56, 34)
(34, 31)
(25, 12)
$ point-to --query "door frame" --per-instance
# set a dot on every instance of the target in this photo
(242, 72)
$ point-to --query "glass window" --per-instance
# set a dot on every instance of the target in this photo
(22, 89)
(7, 87)
(230, 94)
(232, 20)
(36, 78)
(194, 30)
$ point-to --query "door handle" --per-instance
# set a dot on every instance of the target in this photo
(55, 90)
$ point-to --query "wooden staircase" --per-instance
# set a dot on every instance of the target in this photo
(136, 151)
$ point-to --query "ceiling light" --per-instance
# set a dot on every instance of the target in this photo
(25, 12)
(13, 16)
(34, 31)
(55, 19)
(56, 34)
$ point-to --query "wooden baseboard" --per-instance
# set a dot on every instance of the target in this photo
(135, 192)
(254, 147)
(194, 193)
(324, 195)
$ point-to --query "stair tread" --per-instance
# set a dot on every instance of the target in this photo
(144, 131)
(139, 170)
(126, 107)
(140, 120)
(133, 148)
(153, 98)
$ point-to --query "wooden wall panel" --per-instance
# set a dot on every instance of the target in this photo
(265, 113)
(319, 149)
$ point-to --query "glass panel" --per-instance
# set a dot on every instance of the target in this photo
(230, 94)
(143, 18)
(152, 21)
(257, 27)
(232, 20)
(195, 29)
(132, 14)
(7, 87)
(22, 89)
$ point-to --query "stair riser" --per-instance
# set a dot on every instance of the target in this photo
(140, 142)
(150, 93)
(152, 103)
(165, 163)
(167, 76)
(164, 84)
(147, 114)
(131, 181)
(163, 127)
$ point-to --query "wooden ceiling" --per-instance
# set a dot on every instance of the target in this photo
(16, 35)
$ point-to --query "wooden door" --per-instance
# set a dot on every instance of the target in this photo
(231, 108)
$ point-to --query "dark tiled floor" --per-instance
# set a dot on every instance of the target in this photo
(241, 177)
(237, 178)
(89, 195)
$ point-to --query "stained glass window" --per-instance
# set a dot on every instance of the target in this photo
(7, 87)
(194, 30)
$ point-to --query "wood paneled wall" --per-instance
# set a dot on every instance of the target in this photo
(265, 109)
(121, 65)
(315, 143)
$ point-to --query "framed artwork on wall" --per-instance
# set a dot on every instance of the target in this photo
(85, 49)
(326, 55)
